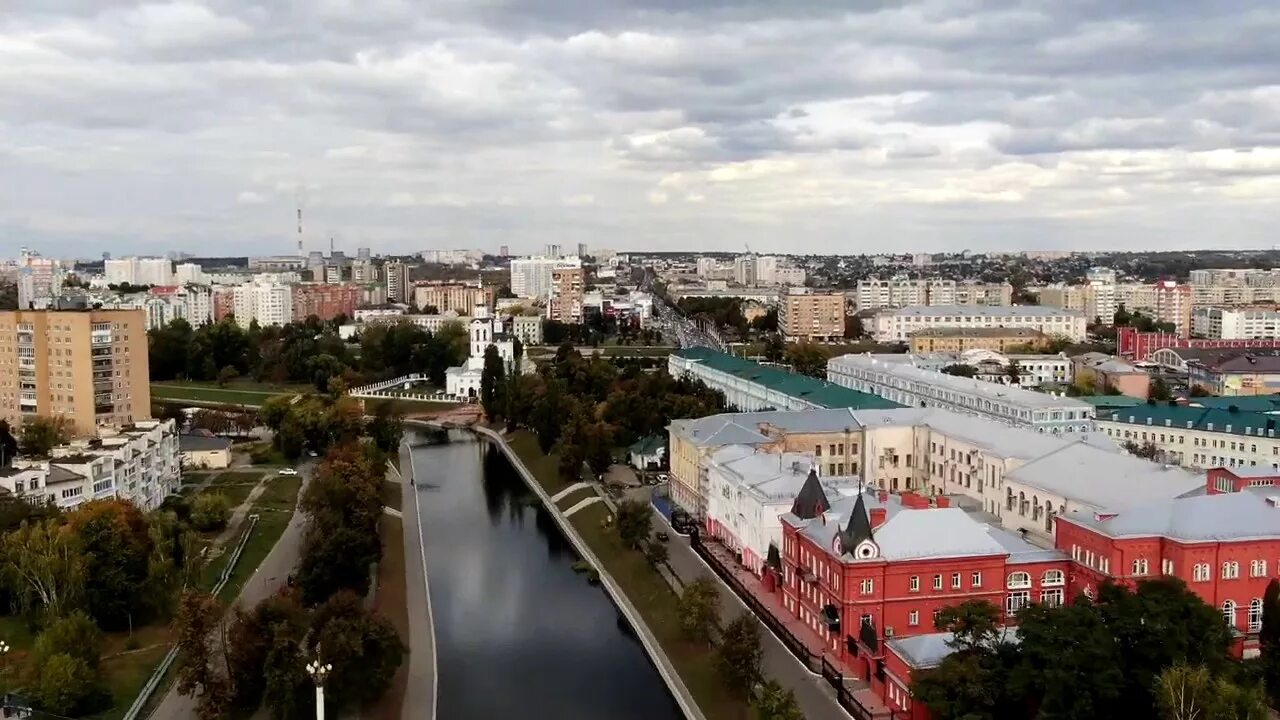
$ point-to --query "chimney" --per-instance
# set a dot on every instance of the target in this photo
(877, 516)
(1272, 500)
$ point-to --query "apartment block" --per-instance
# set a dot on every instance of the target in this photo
(325, 301)
(89, 366)
(567, 294)
(397, 279)
(531, 277)
(452, 297)
(1220, 323)
(805, 314)
(897, 325)
(902, 291)
(268, 302)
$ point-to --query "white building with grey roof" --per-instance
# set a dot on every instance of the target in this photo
(897, 325)
(912, 386)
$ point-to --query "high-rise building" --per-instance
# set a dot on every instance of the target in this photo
(190, 273)
(582, 249)
(567, 294)
(744, 270)
(270, 303)
(531, 277)
(502, 251)
(89, 366)
(38, 277)
(553, 250)
(139, 271)
(397, 281)
(804, 314)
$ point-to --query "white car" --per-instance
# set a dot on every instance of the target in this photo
(288, 471)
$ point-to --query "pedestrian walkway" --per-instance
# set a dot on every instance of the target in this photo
(569, 491)
(814, 695)
(587, 502)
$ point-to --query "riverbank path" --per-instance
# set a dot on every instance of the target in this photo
(420, 693)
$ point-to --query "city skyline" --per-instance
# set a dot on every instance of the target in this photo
(933, 126)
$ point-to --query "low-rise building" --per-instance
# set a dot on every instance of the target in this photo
(1025, 371)
(997, 339)
(1237, 372)
(911, 386)
(1137, 346)
(451, 297)
(1101, 371)
(751, 386)
(204, 451)
(897, 325)
(1198, 437)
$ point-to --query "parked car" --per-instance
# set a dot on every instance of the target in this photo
(288, 471)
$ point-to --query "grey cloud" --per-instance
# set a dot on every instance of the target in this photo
(487, 113)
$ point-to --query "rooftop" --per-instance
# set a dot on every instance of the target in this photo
(1109, 402)
(1100, 480)
(968, 386)
(1202, 518)
(996, 311)
(201, 443)
(1254, 424)
(927, 651)
(1103, 362)
(746, 428)
(1028, 333)
(818, 392)
(1246, 403)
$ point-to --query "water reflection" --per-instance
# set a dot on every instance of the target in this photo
(518, 632)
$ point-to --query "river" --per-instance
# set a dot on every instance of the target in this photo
(519, 634)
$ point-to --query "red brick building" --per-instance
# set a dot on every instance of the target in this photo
(867, 572)
(1224, 544)
(325, 300)
(872, 566)
(1137, 346)
(224, 302)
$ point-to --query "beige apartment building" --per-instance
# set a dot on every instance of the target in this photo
(997, 339)
(567, 294)
(453, 297)
(807, 315)
(88, 366)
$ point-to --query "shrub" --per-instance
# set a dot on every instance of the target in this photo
(210, 511)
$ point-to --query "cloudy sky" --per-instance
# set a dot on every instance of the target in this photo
(799, 126)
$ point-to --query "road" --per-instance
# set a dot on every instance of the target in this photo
(420, 692)
(270, 576)
(814, 694)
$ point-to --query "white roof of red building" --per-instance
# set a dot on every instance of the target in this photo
(1202, 518)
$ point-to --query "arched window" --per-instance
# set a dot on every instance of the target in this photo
(1009, 500)
(1035, 508)
(1053, 578)
(1048, 517)
(1019, 581)
(1229, 612)
(1255, 615)
(1200, 573)
(1230, 570)
(1022, 503)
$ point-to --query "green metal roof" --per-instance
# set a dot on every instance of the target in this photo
(1247, 403)
(819, 392)
(1253, 424)
(648, 445)
(1106, 402)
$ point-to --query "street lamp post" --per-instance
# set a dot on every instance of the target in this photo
(318, 671)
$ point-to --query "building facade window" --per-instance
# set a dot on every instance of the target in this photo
(1017, 600)
(1255, 615)
(1230, 570)
(1019, 580)
(1200, 573)
(937, 582)
(913, 618)
(1229, 612)
(1051, 597)
(868, 586)
(1053, 578)
(975, 580)
(1258, 568)
(1140, 566)
(956, 583)
(914, 583)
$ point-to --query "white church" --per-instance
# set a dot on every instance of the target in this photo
(463, 382)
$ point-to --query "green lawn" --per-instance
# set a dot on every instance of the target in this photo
(186, 392)
(275, 506)
(651, 595)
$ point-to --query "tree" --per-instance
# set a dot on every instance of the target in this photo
(492, 383)
(697, 607)
(210, 511)
(199, 625)
(41, 434)
(777, 703)
(1269, 639)
(1147, 449)
(739, 656)
(334, 560)
(972, 681)
(960, 370)
(1186, 692)
(1069, 662)
(775, 348)
(1159, 391)
(852, 327)
(8, 444)
(386, 428)
(1014, 372)
(634, 522)
(116, 542)
(66, 685)
(44, 566)
(809, 359)
(363, 648)
(226, 375)
(250, 637)
(656, 553)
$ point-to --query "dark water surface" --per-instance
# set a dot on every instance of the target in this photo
(519, 634)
